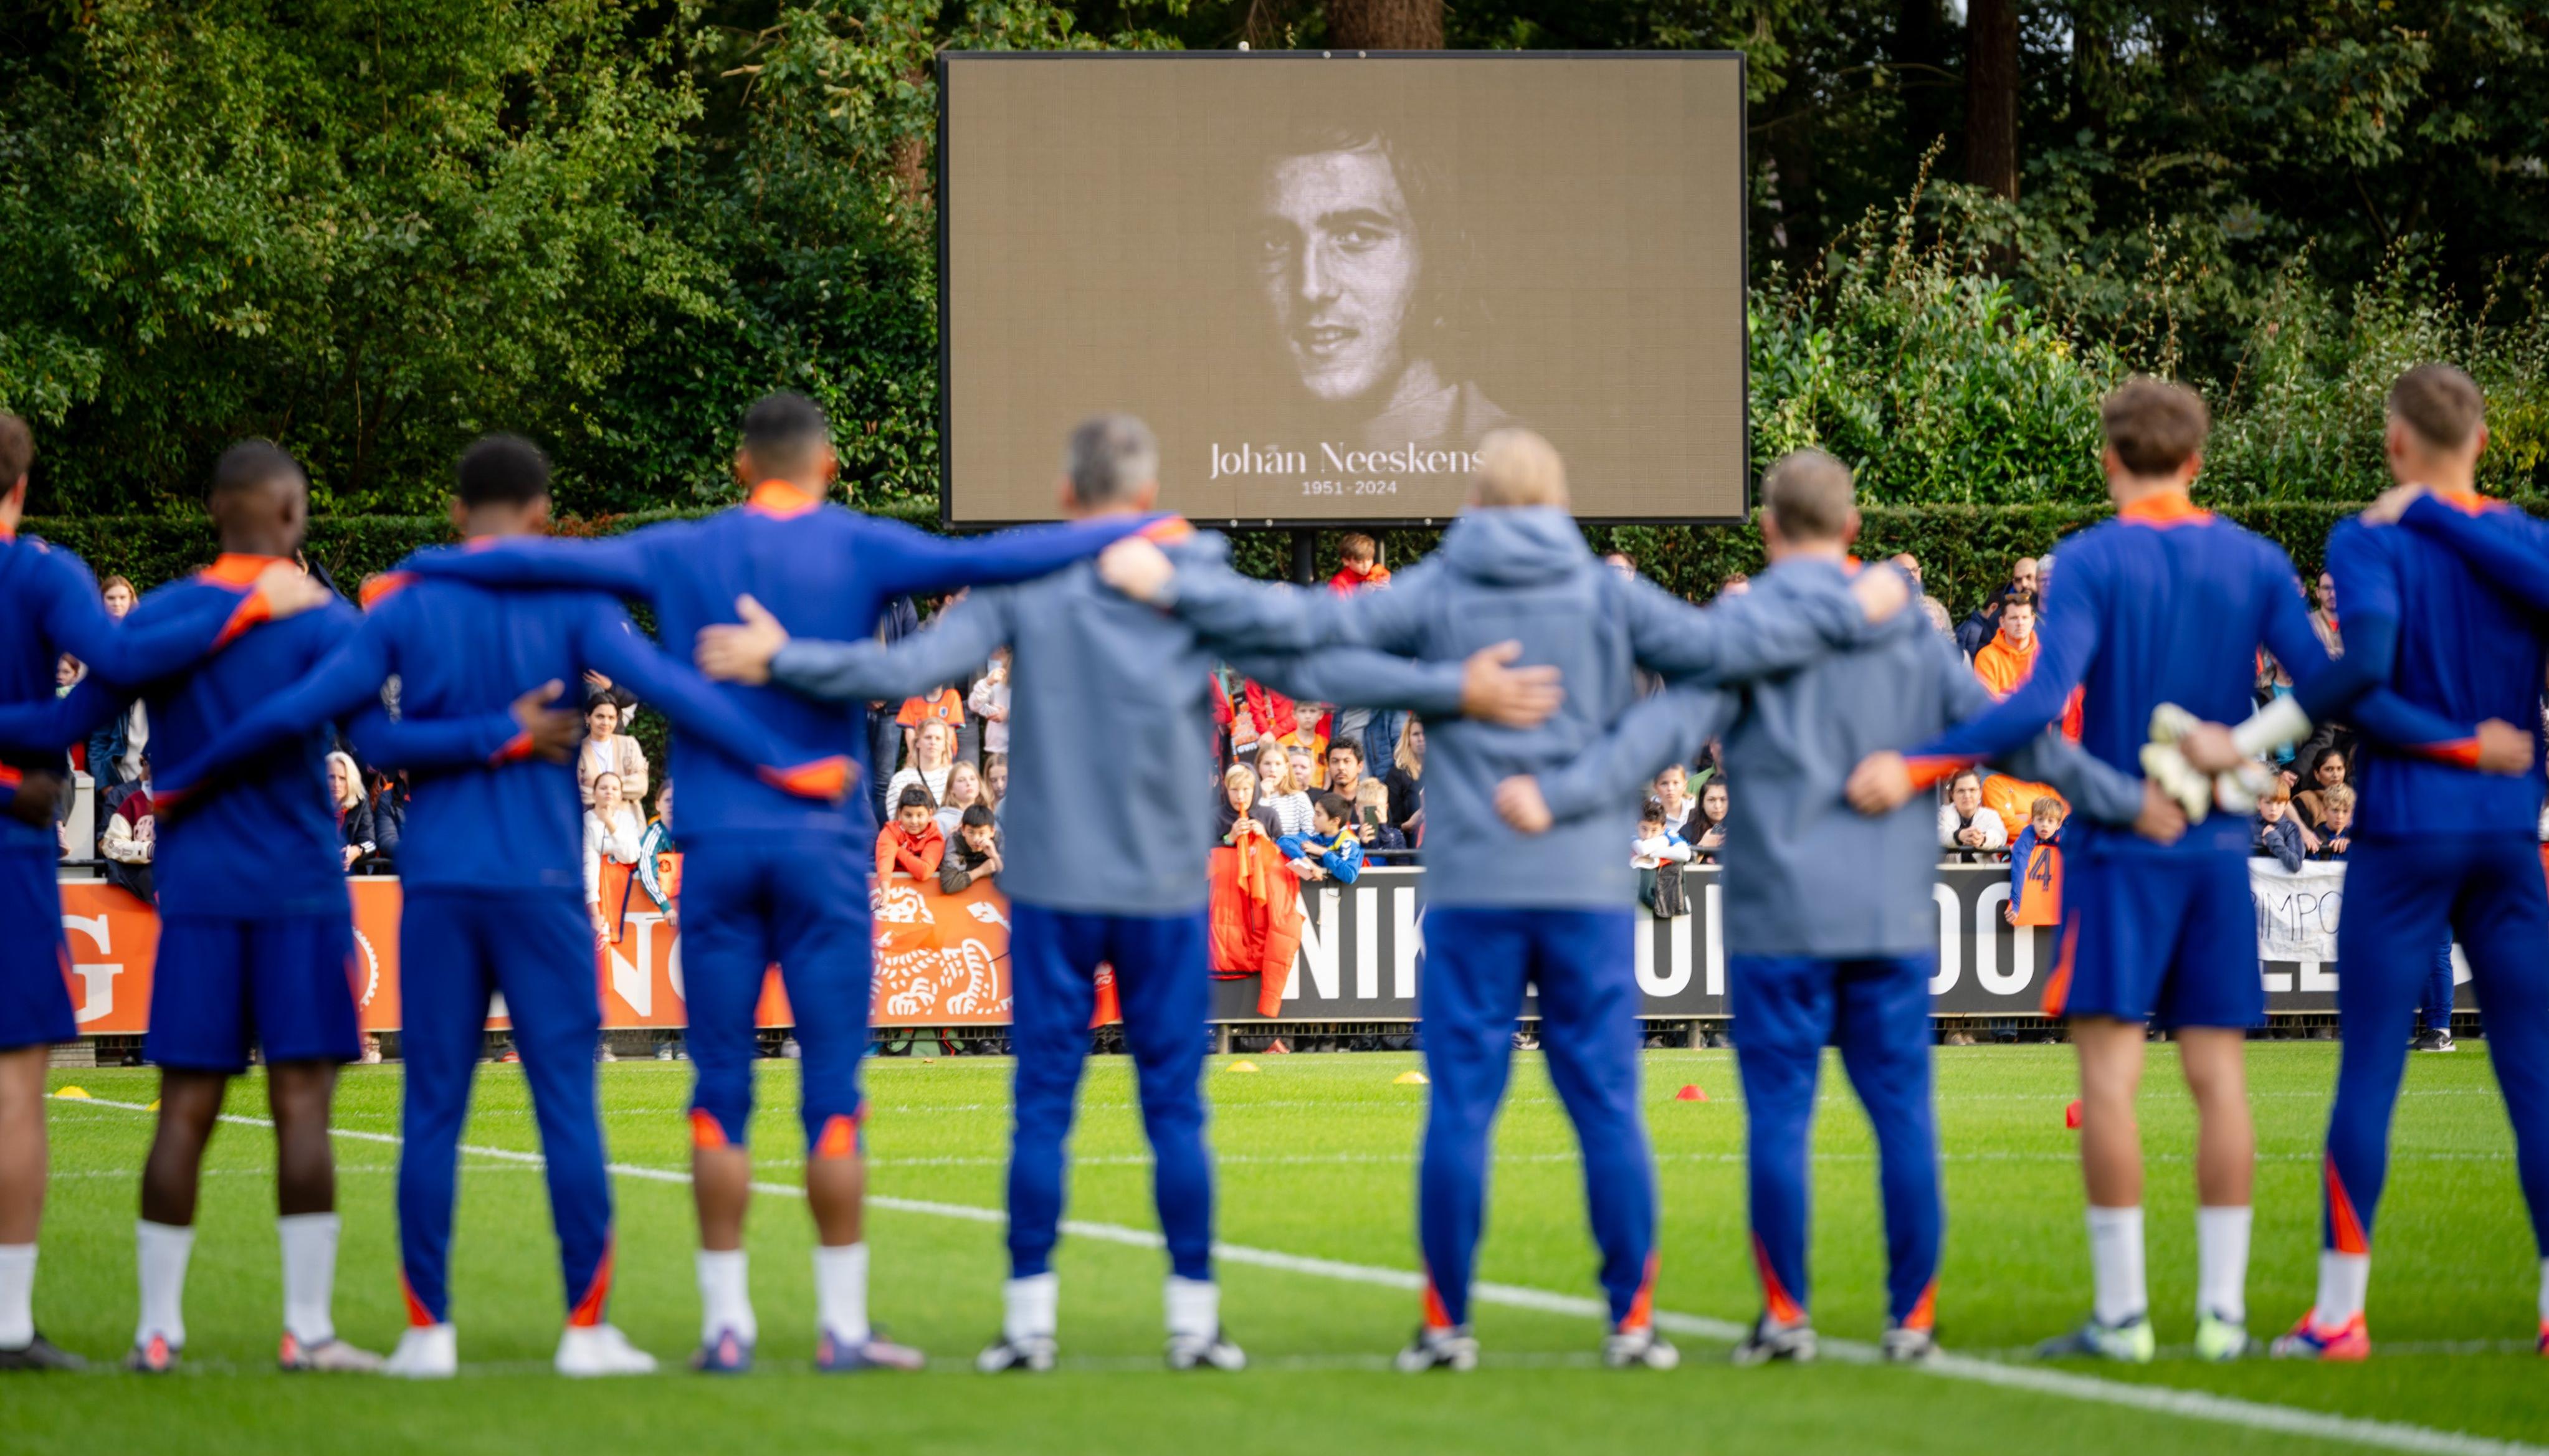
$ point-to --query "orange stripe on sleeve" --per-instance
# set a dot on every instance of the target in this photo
(825, 778)
(1926, 772)
(516, 749)
(2461, 751)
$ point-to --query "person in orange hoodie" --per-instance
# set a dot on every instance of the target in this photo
(1360, 568)
(2009, 659)
(911, 843)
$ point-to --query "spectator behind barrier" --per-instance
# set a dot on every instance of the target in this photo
(910, 840)
(995, 785)
(2009, 656)
(1659, 855)
(613, 842)
(1406, 781)
(1706, 831)
(353, 815)
(1672, 797)
(1345, 769)
(1978, 629)
(2036, 867)
(1331, 850)
(389, 798)
(972, 853)
(607, 750)
(1383, 844)
(659, 859)
(2336, 822)
(933, 758)
(990, 702)
(1968, 833)
(1240, 815)
(2327, 769)
(131, 838)
(1282, 793)
(2278, 837)
(964, 792)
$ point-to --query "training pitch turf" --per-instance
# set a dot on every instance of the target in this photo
(1316, 1203)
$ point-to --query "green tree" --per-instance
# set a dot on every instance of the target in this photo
(364, 231)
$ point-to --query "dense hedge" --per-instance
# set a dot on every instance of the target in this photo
(1964, 550)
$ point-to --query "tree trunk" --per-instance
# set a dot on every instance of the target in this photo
(1385, 25)
(1991, 95)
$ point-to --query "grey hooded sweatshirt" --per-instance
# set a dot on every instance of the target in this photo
(1111, 761)
(1806, 874)
(1525, 575)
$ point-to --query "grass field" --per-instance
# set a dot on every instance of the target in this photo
(1316, 1164)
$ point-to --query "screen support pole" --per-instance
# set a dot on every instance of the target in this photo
(1305, 555)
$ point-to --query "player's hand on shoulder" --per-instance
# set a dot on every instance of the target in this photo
(2390, 504)
(1880, 591)
(2162, 819)
(2209, 748)
(2502, 748)
(1880, 784)
(1514, 697)
(289, 591)
(556, 731)
(741, 653)
(1519, 802)
(39, 799)
(1136, 567)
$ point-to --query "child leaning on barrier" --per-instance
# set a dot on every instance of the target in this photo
(1658, 855)
(2278, 837)
(1331, 850)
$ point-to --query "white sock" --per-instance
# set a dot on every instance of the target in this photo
(2115, 1254)
(18, 1296)
(2544, 1291)
(1194, 1308)
(164, 1249)
(2222, 1262)
(725, 1296)
(1031, 1308)
(2342, 1282)
(308, 1276)
(841, 1291)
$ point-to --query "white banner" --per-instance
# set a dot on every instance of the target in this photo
(2296, 909)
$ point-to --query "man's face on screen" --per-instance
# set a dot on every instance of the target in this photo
(1339, 259)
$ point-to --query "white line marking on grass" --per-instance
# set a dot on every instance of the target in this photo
(2158, 1399)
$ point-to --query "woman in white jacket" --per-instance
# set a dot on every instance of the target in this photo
(1967, 830)
(611, 834)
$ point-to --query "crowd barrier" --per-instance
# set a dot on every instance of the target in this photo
(942, 960)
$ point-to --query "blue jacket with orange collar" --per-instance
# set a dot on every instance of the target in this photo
(495, 818)
(2168, 603)
(52, 605)
(2447, 608)
(825, 572)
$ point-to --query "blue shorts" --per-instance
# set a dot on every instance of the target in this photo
(35, 957)
(2167, 940)
(284, 984)
(746, 902)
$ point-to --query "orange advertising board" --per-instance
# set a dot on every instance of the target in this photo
(940, 960)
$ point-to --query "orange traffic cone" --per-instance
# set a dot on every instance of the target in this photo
(1690, 1094)
(2071, 1114)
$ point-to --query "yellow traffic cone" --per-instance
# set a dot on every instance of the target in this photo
(1410, 1078)
(1241, 1066)
(79, 1094)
